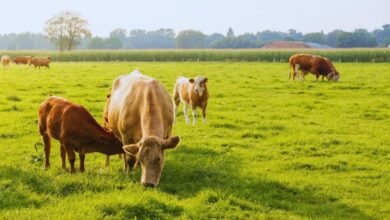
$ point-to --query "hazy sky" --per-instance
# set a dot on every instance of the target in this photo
(208, 16)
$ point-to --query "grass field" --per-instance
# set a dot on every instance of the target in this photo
(272, 148)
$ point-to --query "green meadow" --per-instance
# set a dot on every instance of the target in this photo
(271, 148)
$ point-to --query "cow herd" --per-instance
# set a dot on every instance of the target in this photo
(138, 118)
(26, 60)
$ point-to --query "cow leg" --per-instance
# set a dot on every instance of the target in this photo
(176, 102)
(323, 78)
(317, 76)
(107, 161)
(47, 145)
(82, 159)
(185, 111)
(71, 157)
(193, 115)
(63, 156)
(204, 114)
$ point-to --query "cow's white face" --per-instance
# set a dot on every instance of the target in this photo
(334, 76)
(199, 84)
(149, 152)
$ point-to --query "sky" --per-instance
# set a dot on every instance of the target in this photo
(208, 16)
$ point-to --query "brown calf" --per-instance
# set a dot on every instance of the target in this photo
(76, 130)
(192, 93)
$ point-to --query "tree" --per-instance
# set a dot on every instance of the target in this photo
(190, 39)
(97, 43)
(230, 33)
(318, 37)
(119, 33)
(331, 38)
(113, 43)
(358, 38)
(66, 30)
(212, 39)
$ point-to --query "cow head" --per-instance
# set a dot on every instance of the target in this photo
(199, 84)
(149, 152)
(334, 75)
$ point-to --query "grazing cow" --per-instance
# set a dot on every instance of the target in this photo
(192, 93)
(141, 113)
(5, 60)
(76, 130)
(305, 63)
(21, 59)
(40, 61)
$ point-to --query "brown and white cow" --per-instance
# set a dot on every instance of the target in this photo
(5, 60)
(21, 59)
(192, 92)
(76, 130)
(302, 64)
(40, 61)
(141, 114)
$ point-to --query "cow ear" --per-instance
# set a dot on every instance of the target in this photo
(205, 80)
(191, 80)
(171, 143)
(131, 149)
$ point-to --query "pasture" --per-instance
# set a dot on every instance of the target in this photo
(272, 148)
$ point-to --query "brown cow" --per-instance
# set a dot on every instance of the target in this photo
(21, 59)
(76, 130)
(317, 65)
(5, 60)
(141, 113)
(192, 93)
(40, 61)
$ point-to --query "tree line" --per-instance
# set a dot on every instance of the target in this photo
(68, 31)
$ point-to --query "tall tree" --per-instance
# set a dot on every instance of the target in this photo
(230, 33)
(66, 30)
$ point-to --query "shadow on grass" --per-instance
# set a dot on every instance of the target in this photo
(189, 174)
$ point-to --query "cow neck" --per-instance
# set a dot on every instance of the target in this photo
(152, 126)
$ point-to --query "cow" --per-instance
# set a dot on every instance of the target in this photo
(40, 61)
(5, 60)
(76, 130)
(141, 114)
(317, 65)
(21, 59)
(192, 92)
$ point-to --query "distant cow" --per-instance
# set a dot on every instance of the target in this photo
(141, 113)
(302, 64)
(76, 130)
(40, 61)
(21, 59)
(5, 60)
(192, 93)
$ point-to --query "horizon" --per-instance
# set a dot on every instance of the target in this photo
(252, 16)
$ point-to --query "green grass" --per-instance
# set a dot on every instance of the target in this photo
(250, 55)
(272, 148)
